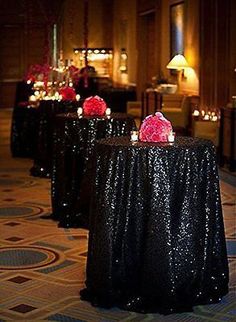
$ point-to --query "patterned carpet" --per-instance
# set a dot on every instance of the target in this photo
(42, 267)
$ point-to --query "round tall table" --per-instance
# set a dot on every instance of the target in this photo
(46, 113)
(74, 140)
(156, 240)
(24, 131)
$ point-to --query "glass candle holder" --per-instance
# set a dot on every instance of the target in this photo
(108, 111)
(56, 96)
(171, 137)
(134, 136)
(79, 111)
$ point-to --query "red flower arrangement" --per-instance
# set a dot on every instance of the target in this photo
(23, 103)
(155, 128)
(94, 105)
(68, 93)
(38, 72)
(74, 73)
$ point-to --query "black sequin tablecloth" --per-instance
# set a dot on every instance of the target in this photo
(24, 131)
(47, 110)
(24, 123)
(74, 140)
(156, 240)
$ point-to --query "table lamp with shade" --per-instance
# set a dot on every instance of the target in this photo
(179, 63)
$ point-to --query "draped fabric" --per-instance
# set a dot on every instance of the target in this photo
(74, 141)
(47, 111)
(24, 131)
(156, 240)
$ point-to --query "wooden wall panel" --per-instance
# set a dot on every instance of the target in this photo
(11, 53)
(24, 27)
(146, 5)
(151, 52)
(36, 46)
(214, 53)
(7, 94)
(11, 57)
(19, 49)
(232, 70)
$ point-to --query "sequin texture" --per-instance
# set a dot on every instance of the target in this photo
(156, 241)
(74, 140)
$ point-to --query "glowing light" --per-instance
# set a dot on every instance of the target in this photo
(196, 113)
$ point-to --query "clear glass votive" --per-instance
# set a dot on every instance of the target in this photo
(79, 111)
(108, 111)
(171, 137)
(134, 136)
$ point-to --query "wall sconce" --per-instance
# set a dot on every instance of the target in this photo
(179, 63)
(123, 61)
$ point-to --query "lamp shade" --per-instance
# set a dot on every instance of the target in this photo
(178, 62)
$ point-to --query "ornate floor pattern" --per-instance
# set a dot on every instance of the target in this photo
(42, 267)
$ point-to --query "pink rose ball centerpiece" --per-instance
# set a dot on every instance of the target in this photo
(94, 105)
(155, 128)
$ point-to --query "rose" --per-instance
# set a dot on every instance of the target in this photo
(68, 93)
(155, 128)
(35, 71)
(23, 103)
(94, 105)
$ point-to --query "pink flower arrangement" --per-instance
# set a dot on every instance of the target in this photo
(94, 105)
(155, 128)
(38, 72)
(68, 93)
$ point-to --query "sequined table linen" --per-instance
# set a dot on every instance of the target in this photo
(24, 123)
(24, 131)
(73, 146)
(156, 240)
(47, 111)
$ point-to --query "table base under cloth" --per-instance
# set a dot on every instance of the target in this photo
(74, 140)
(156, 240)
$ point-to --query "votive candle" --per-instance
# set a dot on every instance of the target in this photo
(79, 111)
(108, 111)
(171, 137)
(134, 136)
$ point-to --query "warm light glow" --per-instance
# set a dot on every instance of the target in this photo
(99, 58)
(123, 61)
(214, 118)
(32, 98)
(108, 111)
(196, 113)
(178, 62)
(134, 136)
(171, 137)
(206, 117)
(79, 111)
